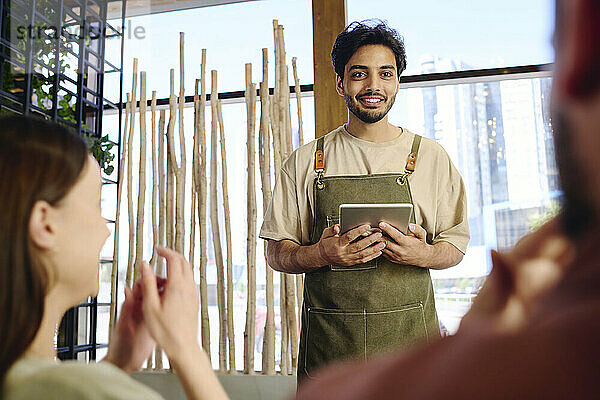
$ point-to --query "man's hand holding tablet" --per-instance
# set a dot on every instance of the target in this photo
(358, 245)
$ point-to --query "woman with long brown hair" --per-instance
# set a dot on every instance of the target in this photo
(51, 234)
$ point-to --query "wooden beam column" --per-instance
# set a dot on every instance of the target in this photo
(329, 19)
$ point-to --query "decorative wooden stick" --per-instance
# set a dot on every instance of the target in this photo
(283, 98)
(230, 331)
(264, 154)
(139, 235)
(290, 287)
(154, 196)
(251, 220)
(115, 262)
(278, 124)
(298, 92)
(192, 228)
(154, 161)
(171, 165)
(274, 103)
(162, 199)
(286, 91)
(195, 168)
(160, 265)
(180, 168)
(202, 195)
(275, 132)
(214, 217)
(284, 354)
(291, 308)
(285, 350)
(288, 115)
(129, 274)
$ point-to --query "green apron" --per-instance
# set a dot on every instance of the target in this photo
(354, 312)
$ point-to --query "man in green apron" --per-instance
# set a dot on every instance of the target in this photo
(532, 332)
(366, 291)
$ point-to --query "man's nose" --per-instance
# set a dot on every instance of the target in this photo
(373, 82)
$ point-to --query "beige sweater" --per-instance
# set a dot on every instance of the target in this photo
(31, 378)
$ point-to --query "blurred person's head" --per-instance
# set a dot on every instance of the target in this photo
(51, 229)
(576, 111)
(368, 58)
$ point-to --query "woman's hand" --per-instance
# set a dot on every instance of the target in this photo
(171, 318)
(131, 343)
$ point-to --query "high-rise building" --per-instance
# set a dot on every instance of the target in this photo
(499, 136)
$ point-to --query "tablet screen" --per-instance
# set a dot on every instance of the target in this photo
(396, 214)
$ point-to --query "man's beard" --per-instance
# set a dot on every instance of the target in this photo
(578, 211)
(367, 116)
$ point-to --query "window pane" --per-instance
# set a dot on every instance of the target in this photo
(234, 116)
(233, 35)
(499, 136)
(443, 36)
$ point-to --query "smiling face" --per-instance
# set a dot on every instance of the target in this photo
(370, 83)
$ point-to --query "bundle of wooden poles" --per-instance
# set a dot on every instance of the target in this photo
(168, 193)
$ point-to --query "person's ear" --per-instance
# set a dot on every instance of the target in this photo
(339, 85)
(577, 33)
(42, 230)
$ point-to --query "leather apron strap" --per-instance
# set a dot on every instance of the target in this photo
(412, 157)
(320, 162)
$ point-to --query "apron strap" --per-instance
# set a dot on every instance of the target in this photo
(320, 162)
(319, 158)
(412, 157)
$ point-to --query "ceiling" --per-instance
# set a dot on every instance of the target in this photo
(145, 7)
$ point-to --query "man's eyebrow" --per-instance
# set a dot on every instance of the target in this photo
(357, 67)
(364, 67)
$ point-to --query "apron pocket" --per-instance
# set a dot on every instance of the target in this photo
(333, 335)
(395, 329)
(332, 220)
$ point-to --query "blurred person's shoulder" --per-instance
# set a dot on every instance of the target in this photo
(31, 378)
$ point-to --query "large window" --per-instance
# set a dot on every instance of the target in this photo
(233, 35)
(496, 129)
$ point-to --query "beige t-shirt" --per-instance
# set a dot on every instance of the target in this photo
(31, 378)
(437, 188)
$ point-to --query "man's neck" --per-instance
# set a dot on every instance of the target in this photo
(380, 131)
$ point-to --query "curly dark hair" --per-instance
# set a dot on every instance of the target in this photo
(358, 34)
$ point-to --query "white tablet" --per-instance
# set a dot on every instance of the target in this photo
(396, 214)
